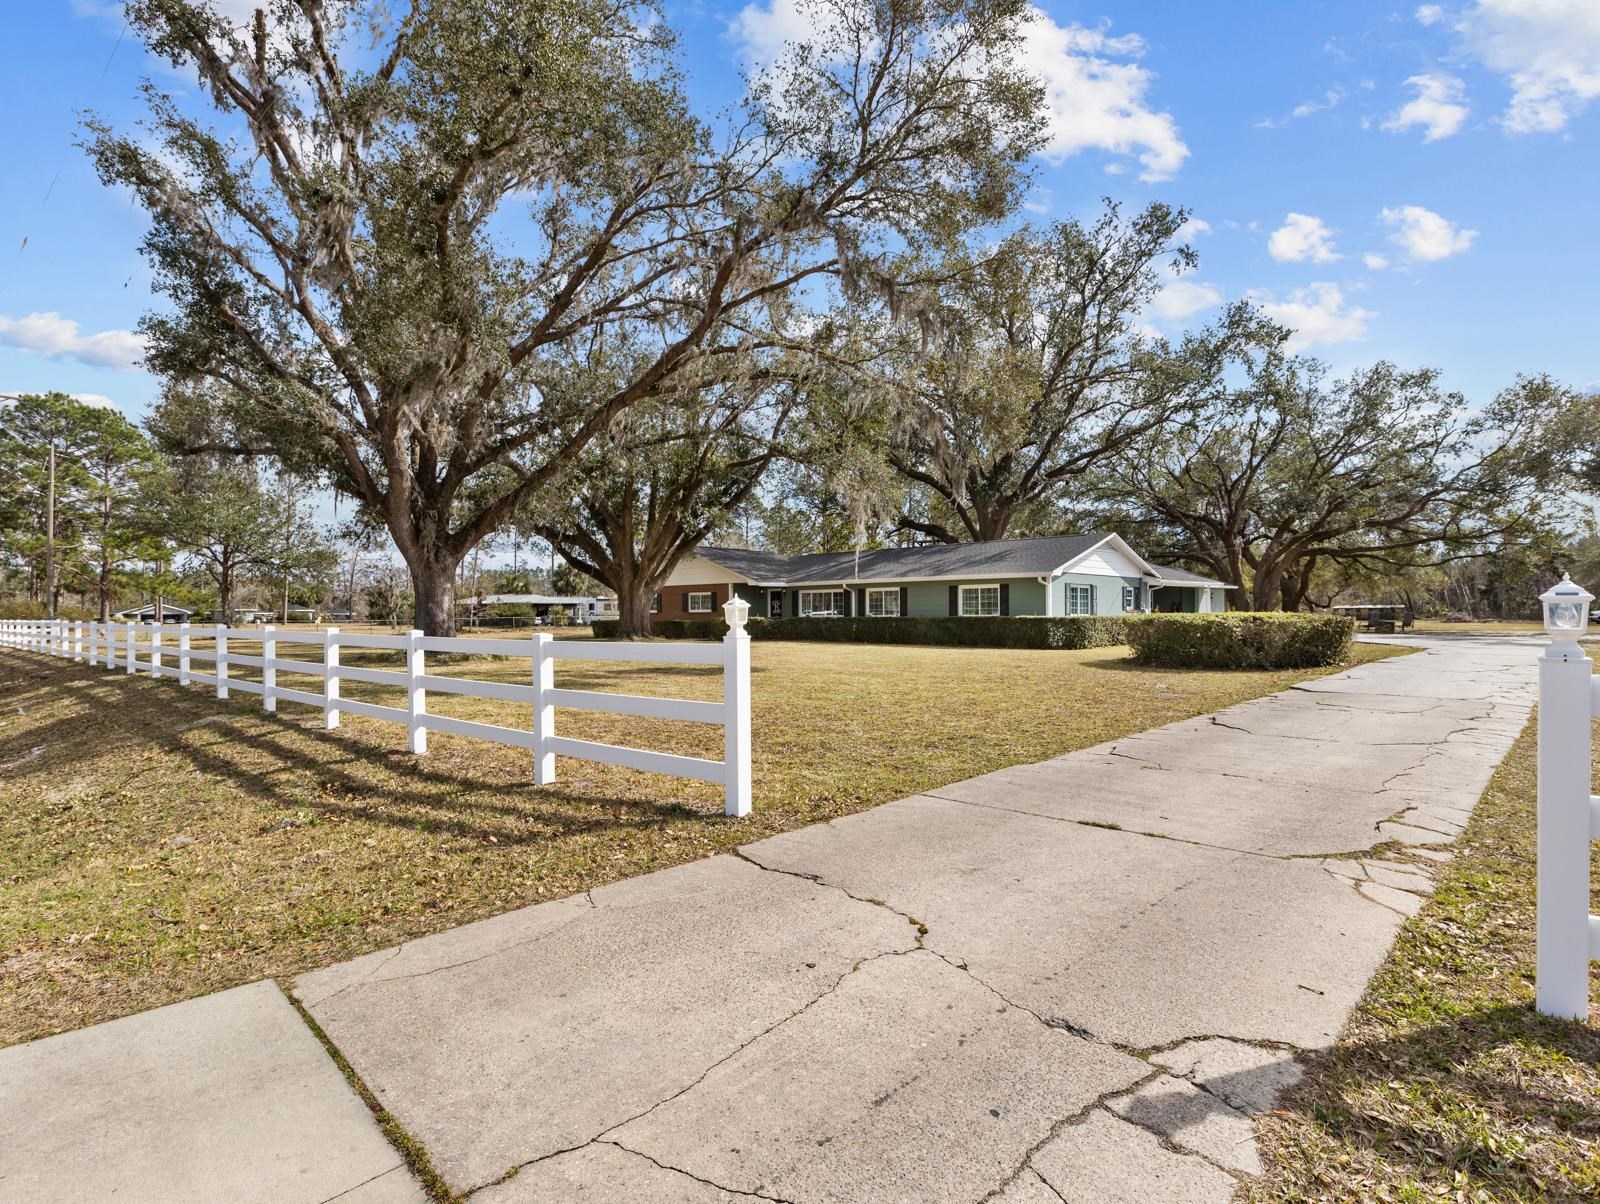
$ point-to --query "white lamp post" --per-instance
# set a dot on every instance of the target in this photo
(736, 708)
(1566, 809)
(1566, 614)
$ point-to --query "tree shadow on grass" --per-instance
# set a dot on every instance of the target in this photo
(287, 764)
(1479, 1094)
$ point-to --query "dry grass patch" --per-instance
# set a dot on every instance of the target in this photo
(1447, 1085)
(159, 844)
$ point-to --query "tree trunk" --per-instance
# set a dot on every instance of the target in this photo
(633, 611)
(433, 587)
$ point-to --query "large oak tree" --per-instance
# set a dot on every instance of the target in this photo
(388, 222)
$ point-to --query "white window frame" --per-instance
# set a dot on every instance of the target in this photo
(886, 596)
(961, 607)
(707, 595)
(1088, 589)
(834, 609)
(1130, 598)
(655, 603)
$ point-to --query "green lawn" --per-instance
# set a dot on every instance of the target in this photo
(1447, 1085)
(158, 844)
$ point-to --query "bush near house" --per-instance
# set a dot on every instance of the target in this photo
(1240, 640)
(1013, 631)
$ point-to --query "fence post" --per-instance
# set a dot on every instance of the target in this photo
(183, 653)
(222, 660)
(1566, 711)
(736, 709)
(133, 649)
(269, 671)
(77, 641)
(330, 681)
(416, 696)
(155, 651)
(544, 711)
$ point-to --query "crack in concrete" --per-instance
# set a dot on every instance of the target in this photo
(399, 1166)
(678, 1170)
(1060, 1126)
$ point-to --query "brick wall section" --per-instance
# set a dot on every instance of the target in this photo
(675, 601)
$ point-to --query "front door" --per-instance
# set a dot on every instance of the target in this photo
(774, 604)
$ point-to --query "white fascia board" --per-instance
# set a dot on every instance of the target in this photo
(1115, 541)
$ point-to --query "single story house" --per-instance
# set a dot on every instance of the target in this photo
(1091, 574)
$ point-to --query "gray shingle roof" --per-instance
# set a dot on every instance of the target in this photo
(1185, 577)
(999, 558)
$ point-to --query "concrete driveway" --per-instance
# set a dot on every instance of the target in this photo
(1071, 980)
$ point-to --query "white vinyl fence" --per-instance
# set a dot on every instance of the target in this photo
(169, 651)
(1569, 815)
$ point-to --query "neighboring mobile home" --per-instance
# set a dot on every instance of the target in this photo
(1090, 574)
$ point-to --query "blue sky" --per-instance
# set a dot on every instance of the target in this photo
(1414, 183)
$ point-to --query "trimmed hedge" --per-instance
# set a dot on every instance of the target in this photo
(1014, 631)
(1240, 640)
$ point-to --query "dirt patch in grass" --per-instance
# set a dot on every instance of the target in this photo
(1447, 1085)
(156, 843)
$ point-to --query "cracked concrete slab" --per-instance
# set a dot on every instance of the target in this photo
(1193, 1120)
(1278, 818)
(1137, 941)
(1248, 1077)
(603, 1173)
(1107, 1160)
(226, 1097)
(911, 1082)
(558, 1022)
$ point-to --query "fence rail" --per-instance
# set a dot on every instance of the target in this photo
(150, 648)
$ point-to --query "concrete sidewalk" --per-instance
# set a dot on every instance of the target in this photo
(1070, 980)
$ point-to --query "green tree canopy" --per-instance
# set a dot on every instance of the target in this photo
(391, 224)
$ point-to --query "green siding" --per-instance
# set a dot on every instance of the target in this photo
(1107, 591)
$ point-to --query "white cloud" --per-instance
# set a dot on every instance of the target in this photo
(1375, 261)
(1095, 102)
(762, 30)
(1302, 237)
(1549, 51)
(98, 400)
(1330, 98)
(1193, 227)
(1183, 298)
(1430, 14)
(1439, 107)
(55, 337)
(1094, 87)
(1424, 235)
(1318, 316)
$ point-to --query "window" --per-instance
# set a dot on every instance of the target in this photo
(1130, 598)
(980, 600)
(822, 603)
(699, 604)
(655, 604)
(1080, 599)
(883, 603)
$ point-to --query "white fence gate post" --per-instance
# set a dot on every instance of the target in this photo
(330, 681)
(183, 653)
(1566, 811)
(222, 660)
(155, 651)
(133, 649)
(416, 696)
(269, 671)
(736, 705)
(544, 711)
